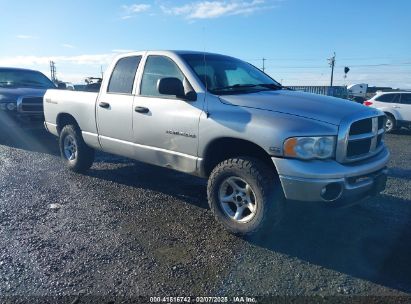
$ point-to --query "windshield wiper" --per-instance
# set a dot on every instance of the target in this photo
(275, 86)
(234, 86)
(271, 86)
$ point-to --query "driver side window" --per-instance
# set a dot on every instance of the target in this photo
(158, 67)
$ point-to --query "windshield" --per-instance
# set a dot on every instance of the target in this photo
(224, 75)
(24, 78)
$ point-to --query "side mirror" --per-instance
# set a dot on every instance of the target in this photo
(174, 86)
(170, 86)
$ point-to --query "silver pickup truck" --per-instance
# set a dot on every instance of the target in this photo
(258, 143)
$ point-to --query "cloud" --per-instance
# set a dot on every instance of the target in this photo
(203, 9)
(216, 9)
(69, 68)
(134, 9)
(25, 37)
(122, 51)
(68, 46)
(31, 61)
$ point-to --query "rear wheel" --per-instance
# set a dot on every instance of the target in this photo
(75, 153)
(390, 123)
(245, 195)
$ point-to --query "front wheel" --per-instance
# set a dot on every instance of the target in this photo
(245, 195)
(389, 123)
(75, 153)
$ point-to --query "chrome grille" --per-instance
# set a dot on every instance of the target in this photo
(31, 105)
(360, 138)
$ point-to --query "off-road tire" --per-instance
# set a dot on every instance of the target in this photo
(85, 155)
(265, 185)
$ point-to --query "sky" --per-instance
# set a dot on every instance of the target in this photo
(296, 37)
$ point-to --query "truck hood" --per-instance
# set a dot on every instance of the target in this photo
(12, 94)
(318, 107)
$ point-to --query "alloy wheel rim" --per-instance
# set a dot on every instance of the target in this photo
(388, 125)
(70, 148)
(237, 199)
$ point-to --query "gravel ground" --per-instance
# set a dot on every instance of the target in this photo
(128, 229)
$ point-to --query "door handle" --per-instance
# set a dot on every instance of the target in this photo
(141, 109)
(396, 107)
(104, 105)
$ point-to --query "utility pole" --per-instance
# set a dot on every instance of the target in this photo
(53, 71)
(264, 64)
(331, 61)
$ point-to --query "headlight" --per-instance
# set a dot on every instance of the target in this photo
(310, 147)
(11, 106)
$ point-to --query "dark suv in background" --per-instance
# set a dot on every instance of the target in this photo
(21, 95)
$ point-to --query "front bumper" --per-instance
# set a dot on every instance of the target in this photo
(52, 128)
(330, 181)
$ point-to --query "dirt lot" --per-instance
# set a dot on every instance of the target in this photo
(130, 229)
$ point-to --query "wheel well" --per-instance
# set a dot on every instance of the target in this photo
(389, 114)
(225, 148)
(65, 119)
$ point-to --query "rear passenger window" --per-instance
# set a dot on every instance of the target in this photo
(406, 98)
(390, 98)
(122, 78)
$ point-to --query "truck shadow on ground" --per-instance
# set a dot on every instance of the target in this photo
(189, 189)
(34, 138)
(370, 241)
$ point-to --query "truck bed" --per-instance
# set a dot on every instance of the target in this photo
(80, 105)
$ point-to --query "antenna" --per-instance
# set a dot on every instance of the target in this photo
(205, 76)
(264, 64)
